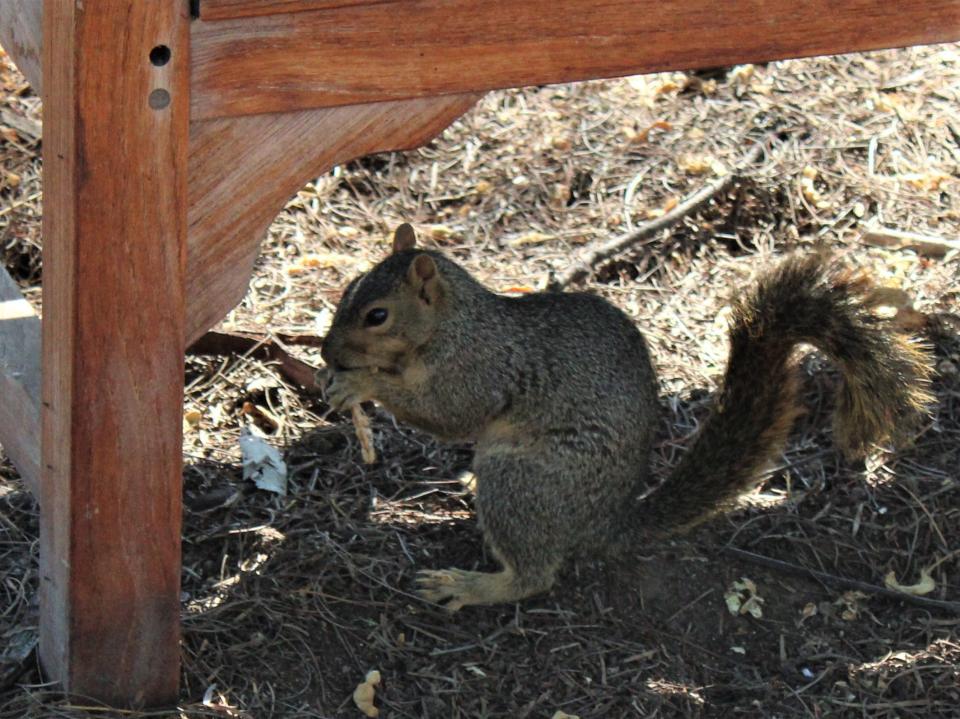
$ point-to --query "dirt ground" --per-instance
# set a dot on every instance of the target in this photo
(289, 601)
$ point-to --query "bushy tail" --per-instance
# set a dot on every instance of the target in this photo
(806, 300)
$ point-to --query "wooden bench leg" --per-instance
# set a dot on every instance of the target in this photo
(116, 104)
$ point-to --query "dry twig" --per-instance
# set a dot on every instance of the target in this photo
(261, 347)
(693, 203)
(929, 245)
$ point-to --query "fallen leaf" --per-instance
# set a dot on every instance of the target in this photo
(638, 136)
(931, 181)
(441, 232)
(325, 260)
(695, 165)
(530, 238)
(656, 212)
(667, 86)
(741, 74)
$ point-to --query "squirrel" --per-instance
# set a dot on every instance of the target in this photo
(559, 395)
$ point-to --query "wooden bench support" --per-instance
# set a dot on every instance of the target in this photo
(320, 53)
(233, 203)
(114, 222)
(20, 382)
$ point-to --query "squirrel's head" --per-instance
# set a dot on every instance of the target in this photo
(388, 312)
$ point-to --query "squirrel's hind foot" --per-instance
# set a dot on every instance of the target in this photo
(460, 588)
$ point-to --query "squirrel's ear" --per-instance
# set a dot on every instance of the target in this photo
(424, 278)
(404, 238)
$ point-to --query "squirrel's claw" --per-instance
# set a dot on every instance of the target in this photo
(347, 388)
(438, 585)
(460, 588)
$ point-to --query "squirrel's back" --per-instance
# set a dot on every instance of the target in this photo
(577, 353)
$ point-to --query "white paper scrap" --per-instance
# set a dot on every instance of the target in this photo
(263, 464)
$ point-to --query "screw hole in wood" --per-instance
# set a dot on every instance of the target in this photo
(160, 55)
(159, 99)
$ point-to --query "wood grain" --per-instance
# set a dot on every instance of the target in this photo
(414, 48)
(226, 9)
(234, 196)
(114, 226)
(21, 35)
(20, 382)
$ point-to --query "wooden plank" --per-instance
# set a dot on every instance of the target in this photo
(234, 198)
(21, 35)
(227, 9)
(414, 48)
(20, 382)
(114, 225)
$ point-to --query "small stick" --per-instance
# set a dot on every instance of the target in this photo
(929, 245)
(843, 582)
(262, 347)
(693, 203)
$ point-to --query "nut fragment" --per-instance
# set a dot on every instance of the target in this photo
(364, 693)
(361, 424)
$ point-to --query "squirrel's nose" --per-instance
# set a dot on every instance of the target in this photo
(329, 354)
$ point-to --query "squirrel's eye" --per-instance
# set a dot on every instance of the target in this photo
(376, 316)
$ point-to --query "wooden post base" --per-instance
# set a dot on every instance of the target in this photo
(114, 221)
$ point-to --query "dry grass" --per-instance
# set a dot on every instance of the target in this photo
(288, 602)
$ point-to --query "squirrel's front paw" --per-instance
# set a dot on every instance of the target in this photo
(349, 387)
